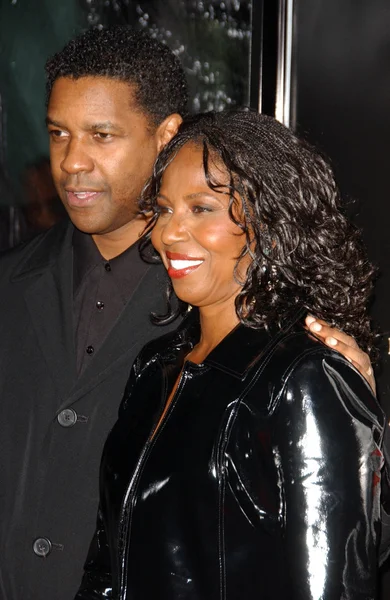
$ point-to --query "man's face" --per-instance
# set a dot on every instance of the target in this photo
(102, 150)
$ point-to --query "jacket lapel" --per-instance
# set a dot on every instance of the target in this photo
(47, 279)
(47, 274)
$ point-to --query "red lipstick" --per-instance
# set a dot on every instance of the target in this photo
(181, 265)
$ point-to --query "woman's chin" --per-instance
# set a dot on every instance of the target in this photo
(185, 296)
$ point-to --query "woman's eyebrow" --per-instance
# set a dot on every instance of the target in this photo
(196, 195)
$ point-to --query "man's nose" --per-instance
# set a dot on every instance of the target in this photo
(76, 158)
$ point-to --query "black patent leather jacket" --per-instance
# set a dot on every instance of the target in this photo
(262, 482)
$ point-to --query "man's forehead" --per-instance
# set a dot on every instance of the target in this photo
(99, 99)
(95, 90)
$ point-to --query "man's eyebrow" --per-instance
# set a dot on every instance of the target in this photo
(106, 125)
(50, 121)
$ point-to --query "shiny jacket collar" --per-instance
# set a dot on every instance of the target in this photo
(253, 344)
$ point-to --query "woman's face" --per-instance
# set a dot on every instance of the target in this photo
(198, 242)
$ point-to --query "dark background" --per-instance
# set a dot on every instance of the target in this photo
(342, 104)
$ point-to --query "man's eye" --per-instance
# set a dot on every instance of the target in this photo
(101, 135)
(57, 133)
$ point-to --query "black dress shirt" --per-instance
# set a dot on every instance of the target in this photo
(101, 289)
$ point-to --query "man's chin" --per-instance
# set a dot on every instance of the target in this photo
(94, 223)
(86, 224)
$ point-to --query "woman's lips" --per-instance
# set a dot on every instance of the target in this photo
(82, 198)
(180, 266)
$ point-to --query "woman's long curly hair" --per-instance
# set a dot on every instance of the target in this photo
(304, 251)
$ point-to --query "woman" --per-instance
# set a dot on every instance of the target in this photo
(245, 463)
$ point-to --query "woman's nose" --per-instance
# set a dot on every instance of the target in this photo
(173, 229)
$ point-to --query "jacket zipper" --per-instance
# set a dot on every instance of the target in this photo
(131, 489)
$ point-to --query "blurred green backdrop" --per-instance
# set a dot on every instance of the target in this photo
(212, 39)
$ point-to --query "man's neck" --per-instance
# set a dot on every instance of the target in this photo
(113, 243)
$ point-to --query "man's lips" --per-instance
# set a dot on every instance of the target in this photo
(81, 198)
(181, 265)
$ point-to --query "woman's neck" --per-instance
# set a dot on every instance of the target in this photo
(215, 323)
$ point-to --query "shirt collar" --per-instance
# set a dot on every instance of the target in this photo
(86, 256)
(127, 268)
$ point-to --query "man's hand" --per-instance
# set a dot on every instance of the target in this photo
(343, 343)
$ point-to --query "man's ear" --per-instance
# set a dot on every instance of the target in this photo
(167, 129)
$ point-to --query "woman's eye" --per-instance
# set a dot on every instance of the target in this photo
(163, 210)
(201, 209)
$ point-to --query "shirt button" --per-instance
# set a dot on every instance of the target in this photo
(67, 417)
(99, 305)
(107, 266)
(42, 547)
(90, 350)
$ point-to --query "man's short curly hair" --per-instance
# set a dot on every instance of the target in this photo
(304, 251)
(130, 56)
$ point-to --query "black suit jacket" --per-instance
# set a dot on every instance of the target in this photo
(48, 471)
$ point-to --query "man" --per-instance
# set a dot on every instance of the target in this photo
(75, 303)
